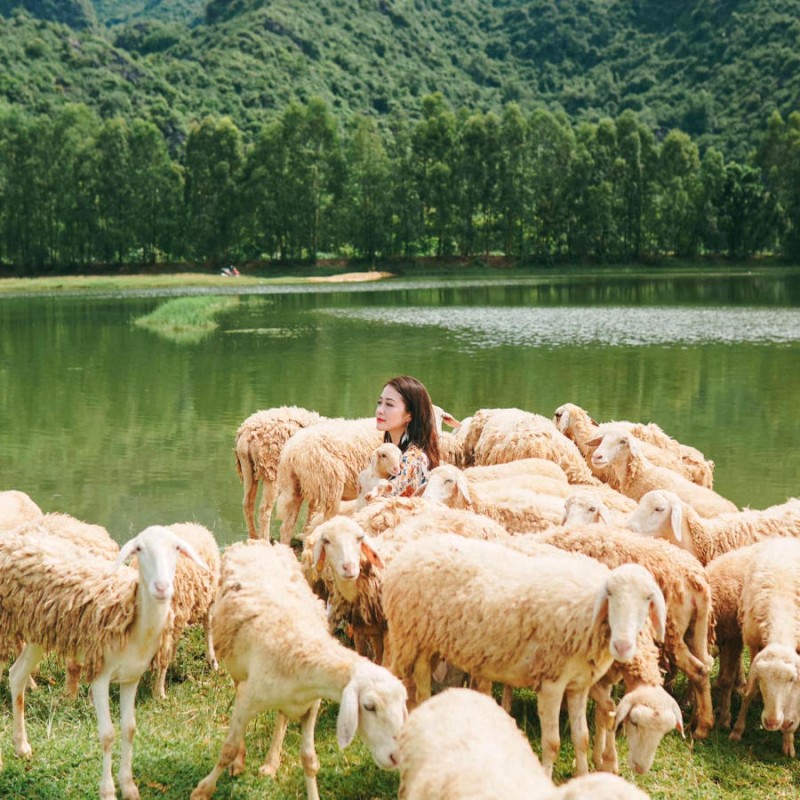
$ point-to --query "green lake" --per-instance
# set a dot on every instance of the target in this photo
(125, 427)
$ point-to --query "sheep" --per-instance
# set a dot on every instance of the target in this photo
(598, 786)
(664, 514)
(516, 509)
(770, 621)
(557, 623)
(586, 508)
(60, 598)
(271, 634)
(192, 602)
(321, 465)
(383, 463)
(15, 508)
(461, 744)
(497, 436)
(259, 441)
(575, 422)
(637, 476)
(538, 468)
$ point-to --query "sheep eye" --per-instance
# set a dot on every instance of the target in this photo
(592, 510)
(325, 540)
(369, 707)
(633, 722)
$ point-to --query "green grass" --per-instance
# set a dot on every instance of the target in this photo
(187, 319)
(179, 739)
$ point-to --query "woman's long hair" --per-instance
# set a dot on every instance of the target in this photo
(421, 430)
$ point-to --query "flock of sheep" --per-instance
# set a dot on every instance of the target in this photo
(552, 554)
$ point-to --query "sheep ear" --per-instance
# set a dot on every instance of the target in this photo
(318, 555)
(371, 554)
(676, 710)
(658, 615)
(126, 551)
(623, 710)
(450, 420)
(600, 605)
(347, 721)
(596, 442)
(184, 548)
(605, 514)
(676, 520)
(463, 489)
(563, 421)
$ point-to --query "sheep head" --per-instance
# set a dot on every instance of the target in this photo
(613, 448)
(385, 460)
(660, 515)
(776, 672)
(448, 486)
(343, 543)
(585, 508)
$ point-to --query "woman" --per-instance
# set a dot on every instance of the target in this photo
(405, 414)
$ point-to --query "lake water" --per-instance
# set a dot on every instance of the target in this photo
(124, 427)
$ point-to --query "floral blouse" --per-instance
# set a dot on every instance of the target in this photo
(413, 473)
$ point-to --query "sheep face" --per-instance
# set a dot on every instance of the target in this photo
(585, 509)
(448, 486)
(615, 447)
(647, 713)
(660, 515)
(561, 417)
(776, 669)
(342, 542)
(629, 594)
(374, 704)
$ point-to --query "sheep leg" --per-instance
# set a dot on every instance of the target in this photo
(105, 732)
(508, 697)
(697, 673)
(308, 754)
(127, 724)
(730, 659)
(579, 728)
(604, 753)
(788, 743)
(18, 677)
(422, 678)
(268, 495)
(211, 656)
(738, 729)
(249, 498)
(273, 760)
(549, 704)
(73, 678)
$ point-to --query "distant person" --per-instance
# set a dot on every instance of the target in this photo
(405, 414)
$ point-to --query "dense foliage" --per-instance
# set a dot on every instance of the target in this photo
(77, 190)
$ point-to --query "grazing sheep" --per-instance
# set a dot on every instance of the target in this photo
(500, 435)
(192, 602)
(685, 588)
(516, 510)
(60, 598)
(664, 514)
(637, 476)
(383, 463)
(557, 623)
(770, 620)
(461, 744)
(575, 422)
(15, 508)
(321, 465)
(271, 634)
(259, 441)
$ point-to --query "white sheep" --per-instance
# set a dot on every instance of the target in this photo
(259, 441)
(500, 435)
(193, 599)
(15, 508)
(574, 422)
(383, 464)
(637, 476)
(516, 510)
(685, 588)
(770, 620)
(108, 617)
(549, 472)
(664, 514)
(557, 623)
(271, 634)
(321, 465)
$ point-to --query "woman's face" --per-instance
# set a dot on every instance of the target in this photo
(391, 414)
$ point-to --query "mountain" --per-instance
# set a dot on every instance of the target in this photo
(716, 69)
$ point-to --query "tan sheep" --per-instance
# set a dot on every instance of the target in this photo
(516, 510)
(271, 634)
(60, 598)
(15, 508)
(637, 476)
(259, 442)
(383, 464)
(770, 620)
(664, 514)
(660, 449)
(557, 623)
(536, 468)
(320, 465)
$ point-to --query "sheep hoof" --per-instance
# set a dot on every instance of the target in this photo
(267, 771)
(130, 792)
(735, 735)
(702, 732)
(24, 751)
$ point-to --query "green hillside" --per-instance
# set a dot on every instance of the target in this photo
(714, 68)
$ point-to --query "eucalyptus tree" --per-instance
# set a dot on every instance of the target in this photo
(408, 215)
(513, 180)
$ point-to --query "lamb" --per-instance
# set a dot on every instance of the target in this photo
(60, 598)
(516, 509)
(497, 436)
(686, 592)
(15, 508)
(637, 476)
(558, 623)
(664, 514)
(192, 602)
(383, 463)
(259, 442)
(770, 620)
(575, 422)
(271, 634)
(321, 465)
